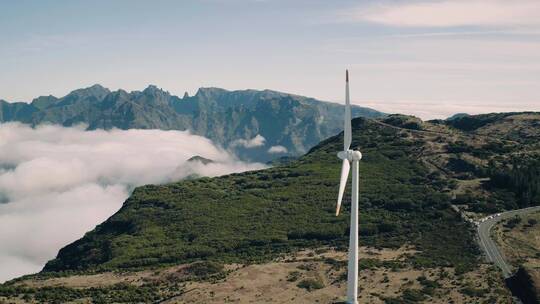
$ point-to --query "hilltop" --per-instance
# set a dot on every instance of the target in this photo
(169, 240)
(287, 124)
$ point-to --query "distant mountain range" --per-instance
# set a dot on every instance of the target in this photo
(256, 125)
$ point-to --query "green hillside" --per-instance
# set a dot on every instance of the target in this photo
(419, 183)
(255, 215)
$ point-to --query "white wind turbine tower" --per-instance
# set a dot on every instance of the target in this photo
(348, 156)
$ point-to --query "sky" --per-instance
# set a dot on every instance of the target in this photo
(57, 183)
(426, 58)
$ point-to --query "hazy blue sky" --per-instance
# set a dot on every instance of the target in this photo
(429, 58)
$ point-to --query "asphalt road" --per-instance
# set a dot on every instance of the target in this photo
(489, 246)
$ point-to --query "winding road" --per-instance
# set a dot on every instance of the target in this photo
(489, 246)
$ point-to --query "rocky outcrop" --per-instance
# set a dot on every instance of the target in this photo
(525, 284)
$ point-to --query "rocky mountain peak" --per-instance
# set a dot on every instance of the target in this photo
(95, 90)
(152, 89)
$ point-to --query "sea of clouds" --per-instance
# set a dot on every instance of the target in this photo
(56, 183)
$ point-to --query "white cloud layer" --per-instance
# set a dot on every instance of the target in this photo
(277, 149)
(57, 183)
(254, 142)
(450, 13)
(443, 109)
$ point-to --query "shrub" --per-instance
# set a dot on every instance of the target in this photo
(310, 284)
(513, 222)
(204, 268)
(293, 276)
(413, 295)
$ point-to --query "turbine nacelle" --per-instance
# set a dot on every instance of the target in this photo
(350, 155)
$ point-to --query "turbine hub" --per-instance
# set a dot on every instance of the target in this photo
(350, 155)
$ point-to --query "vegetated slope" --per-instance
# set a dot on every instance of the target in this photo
(173, 242)
(523, 127)
(294, 122)
(250, 217)
(518, 239)
(492, 158)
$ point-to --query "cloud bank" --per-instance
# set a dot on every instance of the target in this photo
(57, 183)
(277, 149)
(443, 109)
(450, 13)
(254, 142)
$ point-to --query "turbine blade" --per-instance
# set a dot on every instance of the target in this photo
(342, 182)
(347, 137)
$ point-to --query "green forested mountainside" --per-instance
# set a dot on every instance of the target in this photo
(522, 177)
(294, 122)
(252, 216)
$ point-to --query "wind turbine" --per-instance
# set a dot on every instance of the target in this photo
(350, 156)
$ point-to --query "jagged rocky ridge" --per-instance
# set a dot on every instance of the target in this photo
(229, 118)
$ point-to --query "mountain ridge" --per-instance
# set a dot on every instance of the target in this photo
(292, 121)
